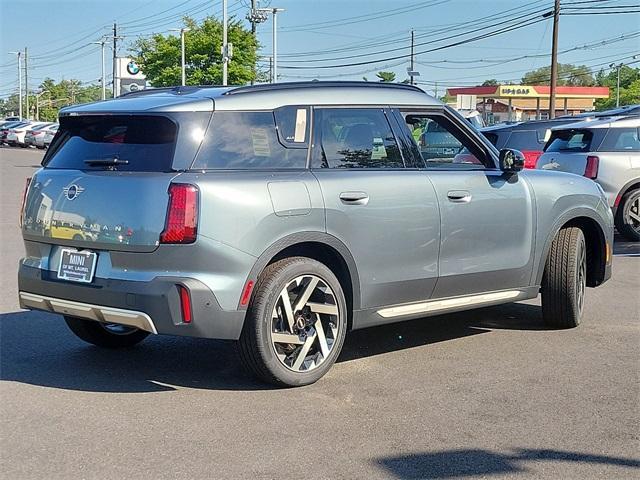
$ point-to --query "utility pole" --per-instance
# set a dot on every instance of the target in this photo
(225, 46)
(115, 40)
(255, 16)
(554, 60)
(26, 83)
(19, 55)
(412, 69)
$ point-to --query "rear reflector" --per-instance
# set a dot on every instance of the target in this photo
(591, 170)
(185, 304)
(182, 215)
(246, 294)
(24, 199)
(531, 158)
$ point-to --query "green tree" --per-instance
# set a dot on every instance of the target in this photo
(573, 75)
(159, 56)
(629, 87)
(386, 76)
(492, 82)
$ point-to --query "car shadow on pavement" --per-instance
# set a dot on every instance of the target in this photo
(37, 348)
(482, 463)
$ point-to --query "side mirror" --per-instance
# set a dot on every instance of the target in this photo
(511, 160)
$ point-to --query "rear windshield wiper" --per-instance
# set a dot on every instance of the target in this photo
(106, 161)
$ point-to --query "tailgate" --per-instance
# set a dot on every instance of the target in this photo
(105, 210)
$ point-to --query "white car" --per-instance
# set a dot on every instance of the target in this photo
(16, 135)
(41, 139)
(607, 151)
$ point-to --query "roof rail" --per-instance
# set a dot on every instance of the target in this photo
(314, 84)
(178, 90)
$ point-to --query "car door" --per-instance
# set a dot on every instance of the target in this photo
(487, 217)
(379, 205)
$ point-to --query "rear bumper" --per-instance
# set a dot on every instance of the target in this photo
(153, 306)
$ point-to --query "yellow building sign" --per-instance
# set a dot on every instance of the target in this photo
(518, 91)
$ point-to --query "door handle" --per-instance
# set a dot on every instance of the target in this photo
(354, 198)
(459, 196)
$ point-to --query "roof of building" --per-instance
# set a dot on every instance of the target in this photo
(531, 103)
(530, 91)
(259, 97)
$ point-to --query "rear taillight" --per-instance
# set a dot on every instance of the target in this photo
(531, 158)
(181, 225)
(185, 304)
(24, 199)
(591, 170)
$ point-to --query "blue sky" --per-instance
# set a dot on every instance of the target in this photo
(325, 32)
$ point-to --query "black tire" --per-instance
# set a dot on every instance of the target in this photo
(564, 279)
(256, 350)
(100, 335)
(77, 236)
(627, 215)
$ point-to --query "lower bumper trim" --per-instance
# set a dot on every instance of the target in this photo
(99, 313)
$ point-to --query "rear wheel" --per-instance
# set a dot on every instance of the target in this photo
(296, 323)
(107, 335)
(565, 279)
(628, 215)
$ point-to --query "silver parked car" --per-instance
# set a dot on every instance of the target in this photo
(608, 152)
(284, 215)
(32, 134)
(44, 139)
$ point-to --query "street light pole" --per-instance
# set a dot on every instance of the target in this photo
(103, 80)
(182, 53)
(19, 55)
(274, 11)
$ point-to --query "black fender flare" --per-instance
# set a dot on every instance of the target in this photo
(305, 237)
(562, 220)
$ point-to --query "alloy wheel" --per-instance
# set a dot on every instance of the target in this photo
(632, 212)
(305, 323)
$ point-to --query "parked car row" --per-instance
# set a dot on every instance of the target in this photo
(24, 133)
(603, 146)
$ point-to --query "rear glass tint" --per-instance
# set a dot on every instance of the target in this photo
(621, 140)
(138, 143)
(492, 137)
(246, 140)
(569, 141)
(524, 140)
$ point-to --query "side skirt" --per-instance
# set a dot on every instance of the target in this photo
(440, 306)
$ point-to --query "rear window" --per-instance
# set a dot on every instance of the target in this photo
(492, 137)
(138, 143)
(524, 140)
(621, 140)
(569, 141)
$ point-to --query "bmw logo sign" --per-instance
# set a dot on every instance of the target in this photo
(133, 68)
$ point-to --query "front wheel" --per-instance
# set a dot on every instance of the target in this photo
(107, 335)
(565, 279)
(628, 215)
(295, 324)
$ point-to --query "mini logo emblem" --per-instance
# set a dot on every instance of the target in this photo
(72, 191)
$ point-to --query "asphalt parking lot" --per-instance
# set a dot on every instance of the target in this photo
(490, 393)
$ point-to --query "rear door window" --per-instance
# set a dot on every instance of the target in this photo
(569, 141)
(355, 138)
(138, 143)
(621, 140)
(249, 140)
